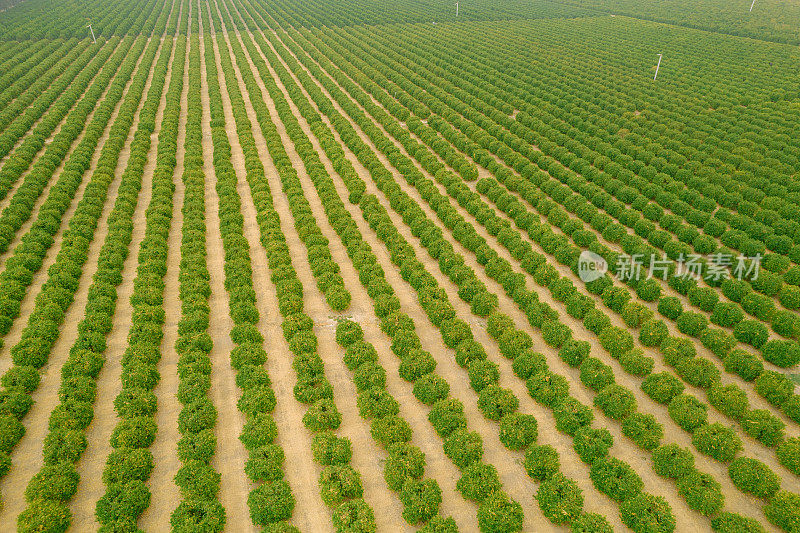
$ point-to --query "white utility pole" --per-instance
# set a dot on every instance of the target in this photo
(457, 7)
(91, 30)
(751, 6)
(657, 66)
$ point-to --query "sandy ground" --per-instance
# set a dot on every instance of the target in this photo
(367, 457)
(28, 302)
(26, 456)
(92, 463)
(231, 455)
(36, 123)
(508, 463)
(752, 446)
(301, 472)
(734, 498)
(310, 513)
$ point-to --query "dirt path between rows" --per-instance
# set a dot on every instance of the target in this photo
(751, 446)
(366, 454)
(624, 448)
(508, 463)
(231, 454)
(310, 513)
(28, 302)
(165, 494)
(26, 457)
(98, 434)
(4, 203)
(756, 401)
(27, 134)
(438, 466)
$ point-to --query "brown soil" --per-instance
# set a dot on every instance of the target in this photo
(310, 513)
(26, 456)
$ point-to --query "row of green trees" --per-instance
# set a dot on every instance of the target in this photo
(271, 504)
(614, 399)
(129, 465)
(405, 465)
(26, 69)
(271, 501)
(33, 350)
(551, 135)
(517, 430)
(44, 20)
(53, 486)
(780, 352)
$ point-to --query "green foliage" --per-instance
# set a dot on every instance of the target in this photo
(354, 515)
(328, 449)
(322, 415)
(744, 364)
(348, 332)
(751, 332)
(782, 353)
(57, 482)
(591, 523)
(784, 510)
(518, 430)
(483, 374)
(698, 371)
(122, 501)
(265, 463)
(776, 387)
(670, 307)
(439, 524)
(560, 499)
(529, 363)
(258, 431)
(541, 462)
(636, 363)
(431, 388)
(720, 442)
(653, 332)
(789, 454)
(693, 324)
(339, 483)
(44, 515)
(688, 412)
(702, 492)
(495, 402)
(616, 401)
(727, 522)
(270, 503)
(463, 447)
(595, 374)
(478, 481)
(643, 429)
(754, 477)
(547, 388)
(447, 416)
(615, 478)
(571, 415)
(730, 400)
(574, 352)
(198, 515)
(616, 341)
(592, 444)
(672, 461)
(421, 500)
(499, 513)
(405, 462)
(645, 513)
(764, 427)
